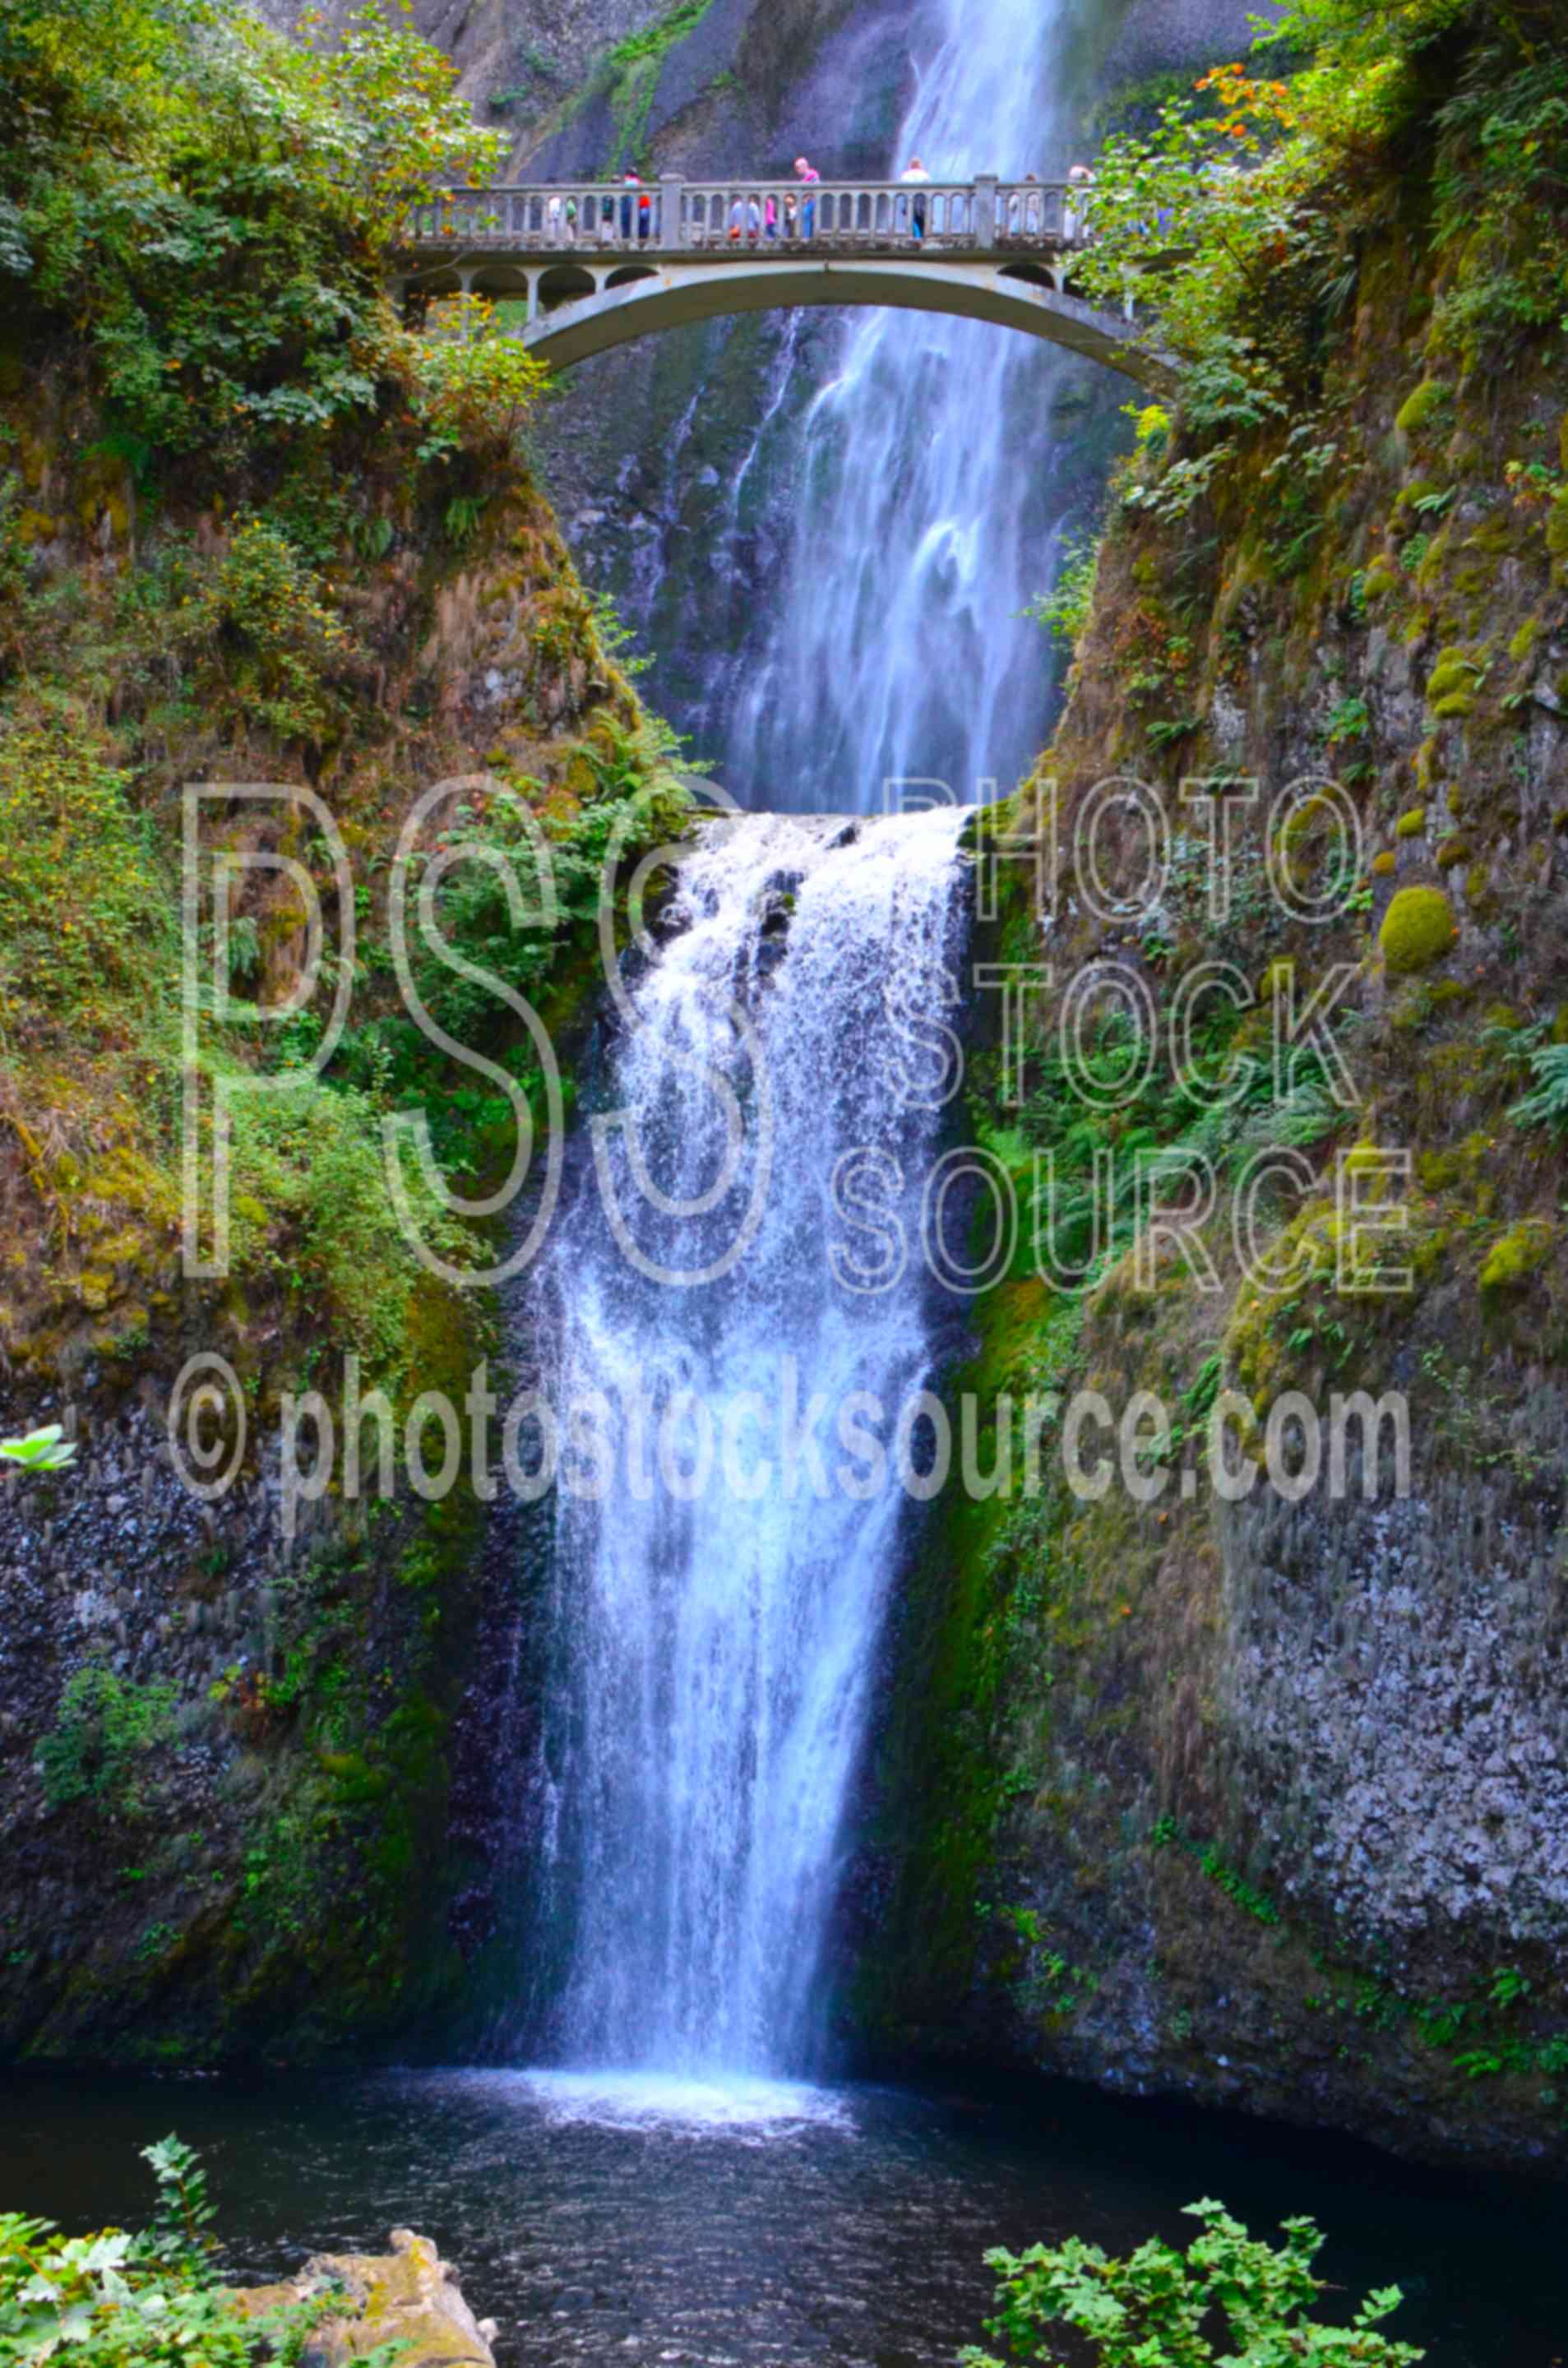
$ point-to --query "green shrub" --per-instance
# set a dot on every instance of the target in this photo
(103, 1734)
(308, 1165)
(1064, 609)
(1228, 2298)
(114, 2300)
(263, 628)
(86, 916)
(211, 204)
(473, 390)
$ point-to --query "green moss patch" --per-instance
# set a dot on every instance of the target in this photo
(1420, 405)
(1417, 930)
(1515, 1256)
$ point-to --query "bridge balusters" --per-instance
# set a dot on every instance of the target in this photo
(984, 215)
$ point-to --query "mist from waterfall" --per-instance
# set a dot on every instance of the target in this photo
(715, 1647)
(925, 515)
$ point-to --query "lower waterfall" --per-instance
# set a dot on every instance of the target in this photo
(716, 1610)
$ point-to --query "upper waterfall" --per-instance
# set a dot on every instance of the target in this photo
(716, 1610)
(925, 515)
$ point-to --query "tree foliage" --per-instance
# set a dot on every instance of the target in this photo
(211, 204)
(1234, 221)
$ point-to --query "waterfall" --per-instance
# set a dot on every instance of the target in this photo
(715, 1647)
(925, 517)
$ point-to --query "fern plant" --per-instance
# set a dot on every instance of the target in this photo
(1546, 1104)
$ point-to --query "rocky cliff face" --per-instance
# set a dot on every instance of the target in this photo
(238, 1810)
(1264, 1801)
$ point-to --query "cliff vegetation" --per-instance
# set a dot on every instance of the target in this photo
(1263, 1800)
(253, 532)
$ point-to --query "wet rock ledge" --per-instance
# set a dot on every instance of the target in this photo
(408, 2297)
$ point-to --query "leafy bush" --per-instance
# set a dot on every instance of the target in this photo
(310, 1193)
(1154, 2307)
(212, 203)
(261, 622)
(472, 389)
(1064, 609)
(86, 922)
(1233, 219)
(103, 1731)
(115, 2300)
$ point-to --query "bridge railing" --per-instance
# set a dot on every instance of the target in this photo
(717, 218)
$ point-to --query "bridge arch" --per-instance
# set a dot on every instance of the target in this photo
(633, 303)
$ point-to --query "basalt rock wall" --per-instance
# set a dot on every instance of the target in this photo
(1263, 1800)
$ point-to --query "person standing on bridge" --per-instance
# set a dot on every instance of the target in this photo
(809, 174)
(1080, 186)
(630, 181)
(916, 171)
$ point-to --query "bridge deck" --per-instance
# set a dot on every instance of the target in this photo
(675, 217)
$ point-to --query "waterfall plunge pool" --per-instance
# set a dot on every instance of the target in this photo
(718, 2224)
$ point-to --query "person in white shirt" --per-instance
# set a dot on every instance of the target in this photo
(916, 171)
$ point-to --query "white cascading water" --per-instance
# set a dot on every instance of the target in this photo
(715, 1654)
(925, 520)
(714, 1657)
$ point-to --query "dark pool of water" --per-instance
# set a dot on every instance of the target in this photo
(598, 2220)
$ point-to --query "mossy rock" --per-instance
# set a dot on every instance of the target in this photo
(1410, 824)
(1379, 580)
(1453, 670)
(1417, 930)
(1515, 1254)
(1524, 640)
(1457, 703)
(1420, 404)
(1452, 850)
(1385, 862)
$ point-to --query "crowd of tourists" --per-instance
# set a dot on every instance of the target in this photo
(790, 214)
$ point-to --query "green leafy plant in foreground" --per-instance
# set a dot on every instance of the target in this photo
(119, 2300)
(1154, 2307)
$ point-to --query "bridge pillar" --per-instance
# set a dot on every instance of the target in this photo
(985, 210)
(672, 230)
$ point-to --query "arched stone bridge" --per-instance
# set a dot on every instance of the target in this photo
(597, 263)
